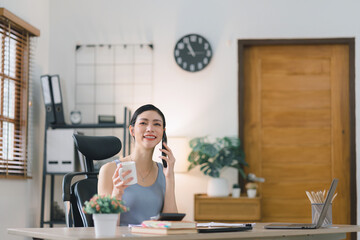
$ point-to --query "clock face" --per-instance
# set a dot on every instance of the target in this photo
(75, 117)
(192, 53)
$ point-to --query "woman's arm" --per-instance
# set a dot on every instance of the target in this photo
(105, 182)
(170, 200)
(109, 181)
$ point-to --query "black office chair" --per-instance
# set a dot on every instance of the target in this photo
(74, 195)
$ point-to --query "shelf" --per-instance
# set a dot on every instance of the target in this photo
(89, 125)
(56, 173)
(55, 222)
(62, 173)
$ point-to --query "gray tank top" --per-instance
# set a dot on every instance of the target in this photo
(144, 202)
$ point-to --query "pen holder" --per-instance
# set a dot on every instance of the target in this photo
(316, 209)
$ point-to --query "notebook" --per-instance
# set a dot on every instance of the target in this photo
(309, 225)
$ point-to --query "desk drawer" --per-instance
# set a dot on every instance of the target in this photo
(227, 208)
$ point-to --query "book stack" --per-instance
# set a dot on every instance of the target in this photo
(165, 227)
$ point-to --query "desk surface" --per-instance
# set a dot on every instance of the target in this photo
(335, 232)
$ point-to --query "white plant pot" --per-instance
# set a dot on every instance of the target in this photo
(236, 192)
(105, 224)
(251, 193)
(217, 187)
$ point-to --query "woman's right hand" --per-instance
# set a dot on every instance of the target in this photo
(118, 184)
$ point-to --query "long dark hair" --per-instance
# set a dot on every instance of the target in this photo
(144, 108)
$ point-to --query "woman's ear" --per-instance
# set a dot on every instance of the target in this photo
(131, 130)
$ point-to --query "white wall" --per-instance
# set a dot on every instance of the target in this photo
(20, 199)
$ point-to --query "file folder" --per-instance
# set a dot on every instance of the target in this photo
(48, 99)
(56, 91)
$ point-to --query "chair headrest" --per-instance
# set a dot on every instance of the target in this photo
(97, 148)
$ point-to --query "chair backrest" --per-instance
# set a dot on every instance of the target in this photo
(74, 195)
(84, 190)
(96, 148)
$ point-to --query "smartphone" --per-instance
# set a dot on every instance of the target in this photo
(164, 140)
(169, 216)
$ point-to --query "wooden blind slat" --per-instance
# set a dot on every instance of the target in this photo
(13, 166)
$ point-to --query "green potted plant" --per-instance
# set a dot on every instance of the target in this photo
(212, 155)
(105, 211)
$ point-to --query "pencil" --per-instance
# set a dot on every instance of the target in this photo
(309, 196)
(333, 197)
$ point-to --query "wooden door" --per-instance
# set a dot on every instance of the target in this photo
(296, 127)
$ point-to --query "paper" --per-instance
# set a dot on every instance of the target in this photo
(134, 225)
(218, 224)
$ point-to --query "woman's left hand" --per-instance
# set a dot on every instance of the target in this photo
(170, 159)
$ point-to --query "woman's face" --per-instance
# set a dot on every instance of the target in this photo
(148, 129)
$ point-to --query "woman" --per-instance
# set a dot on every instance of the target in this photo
(155, 190)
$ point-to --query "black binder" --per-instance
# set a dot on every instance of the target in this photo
(48, 98)
(56, 93)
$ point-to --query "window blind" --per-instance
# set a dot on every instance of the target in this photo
(14, 81)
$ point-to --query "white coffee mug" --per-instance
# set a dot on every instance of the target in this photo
(128, 166)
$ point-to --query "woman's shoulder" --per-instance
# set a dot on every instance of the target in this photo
(159, 165)
(125, 159)
(108, 167)
(111, 166)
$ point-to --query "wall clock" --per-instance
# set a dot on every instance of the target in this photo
(75, 117)
(192, 53)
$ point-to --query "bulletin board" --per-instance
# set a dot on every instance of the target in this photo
(111, 77)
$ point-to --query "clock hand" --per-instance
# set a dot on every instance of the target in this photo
(191, 49)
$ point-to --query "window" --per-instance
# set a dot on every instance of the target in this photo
(14, 81)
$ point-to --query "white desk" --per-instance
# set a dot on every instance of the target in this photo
(336, 232)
